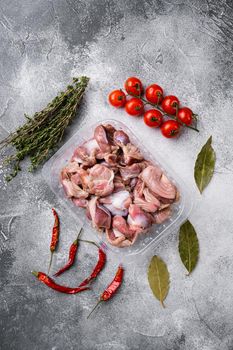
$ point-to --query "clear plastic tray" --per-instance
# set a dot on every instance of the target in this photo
(181, 209)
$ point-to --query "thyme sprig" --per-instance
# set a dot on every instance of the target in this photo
(41, 134)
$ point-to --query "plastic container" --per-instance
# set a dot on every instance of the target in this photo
(181, 209)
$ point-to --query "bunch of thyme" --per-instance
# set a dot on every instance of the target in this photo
(40, 135)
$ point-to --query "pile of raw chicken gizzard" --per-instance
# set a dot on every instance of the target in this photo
(122, 192)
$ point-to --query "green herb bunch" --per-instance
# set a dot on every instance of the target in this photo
(40, 135)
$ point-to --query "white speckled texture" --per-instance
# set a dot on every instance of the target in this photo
(187, 48)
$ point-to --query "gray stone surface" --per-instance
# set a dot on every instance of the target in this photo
(186, 46)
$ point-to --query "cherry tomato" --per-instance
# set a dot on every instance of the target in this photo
(185, 115)
(170, 128)
(169, 104)
(134, 106)
(117, 98)
(153, 118)
(134, 86)
(154, 94)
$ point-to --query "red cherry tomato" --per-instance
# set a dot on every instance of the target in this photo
(134, 86)
(134, 106)
(169, 104)
(185, 115)
(117, 98)
(170, 128)
(153, 118)
(154, 94)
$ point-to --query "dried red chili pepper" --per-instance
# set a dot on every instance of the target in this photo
(98, 267)
(72, 255)
(53, 285)
(111, 289)
(55, 236)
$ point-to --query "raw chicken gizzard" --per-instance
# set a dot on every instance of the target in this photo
(123, 193)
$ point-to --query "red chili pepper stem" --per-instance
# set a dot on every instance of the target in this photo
(86, 241)
(97, 304)
(79, 234)
(35, 273)
(50, 262)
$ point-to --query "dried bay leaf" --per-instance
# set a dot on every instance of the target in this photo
(188, 246)
(204, 166)
(158, 277)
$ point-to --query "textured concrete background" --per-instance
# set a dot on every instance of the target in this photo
(186, 46)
